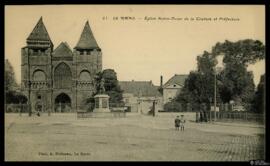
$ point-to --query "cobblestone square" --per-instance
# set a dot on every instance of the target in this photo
(134, 138)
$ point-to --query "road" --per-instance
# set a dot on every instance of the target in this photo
(63, 137)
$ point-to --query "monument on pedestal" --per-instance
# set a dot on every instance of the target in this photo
(101, 103)
(101, 99)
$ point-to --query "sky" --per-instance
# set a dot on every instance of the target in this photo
(143, 48)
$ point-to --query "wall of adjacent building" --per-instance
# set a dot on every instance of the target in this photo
(169, 94)
(143, 104)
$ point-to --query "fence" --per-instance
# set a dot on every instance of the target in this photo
(59, 107)
(113, 114)
(230, 116)
(116, 105)
(236, 116)
(16, 108)
(194, 107)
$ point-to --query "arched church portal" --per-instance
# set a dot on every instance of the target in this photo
(62, 103)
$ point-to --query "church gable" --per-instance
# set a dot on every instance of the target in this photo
(172, 86)
(177, 81)
(63, 50)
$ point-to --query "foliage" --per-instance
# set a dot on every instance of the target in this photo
(13, 97)
(111, 85)
(258, 103)
(237, 82)
(241, 52)
(10, 81)
(234, 82)
(206, 63)
(172, 106)
(199, 86)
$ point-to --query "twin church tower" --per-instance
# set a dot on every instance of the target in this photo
(61, 79)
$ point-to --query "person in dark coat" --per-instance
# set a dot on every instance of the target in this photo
(177, 123)
(38, 108)
(201, 116)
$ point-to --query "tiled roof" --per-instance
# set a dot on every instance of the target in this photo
(178, 79)
(87, 39)
(63, 50)
(140, 88)
(39, 32)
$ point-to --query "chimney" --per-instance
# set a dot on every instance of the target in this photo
(161, 81)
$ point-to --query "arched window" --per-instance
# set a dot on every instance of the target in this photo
(85, 76)
(62, 76)
(39, 75)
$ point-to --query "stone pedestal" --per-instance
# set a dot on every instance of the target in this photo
(101, 103)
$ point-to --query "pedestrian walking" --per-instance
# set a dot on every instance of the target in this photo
(201, 116)
(38, 108)
(182, 123)
(177, 123)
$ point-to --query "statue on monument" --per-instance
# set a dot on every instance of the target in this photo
(101, 86)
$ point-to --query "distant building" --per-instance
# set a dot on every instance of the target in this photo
(139, 96)
(173, 87)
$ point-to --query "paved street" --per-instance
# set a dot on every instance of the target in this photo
(64, 137)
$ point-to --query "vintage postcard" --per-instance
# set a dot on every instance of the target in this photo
(135, 83)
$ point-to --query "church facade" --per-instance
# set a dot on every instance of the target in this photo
(60, 79)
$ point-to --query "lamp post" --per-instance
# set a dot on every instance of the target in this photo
(210, 116)
(216, 71)
(154, 106)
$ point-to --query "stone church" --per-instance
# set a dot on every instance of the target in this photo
(59, 79)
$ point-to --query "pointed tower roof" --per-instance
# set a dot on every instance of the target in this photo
(87, 39)
(39, 33)
(62, 50)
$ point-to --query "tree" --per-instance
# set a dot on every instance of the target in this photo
(258, 103)
(199, 86)
(111, 85)
(237, 82)
(10, 84)
(233, 83)
(13, 97)
(172, 106)
(242, 52)
(10, 81)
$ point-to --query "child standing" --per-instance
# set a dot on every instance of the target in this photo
(177, 123)
(182, 123)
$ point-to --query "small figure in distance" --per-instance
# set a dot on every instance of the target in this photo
(177, 123)
(182, 123)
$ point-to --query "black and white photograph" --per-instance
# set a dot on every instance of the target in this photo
(134, 83)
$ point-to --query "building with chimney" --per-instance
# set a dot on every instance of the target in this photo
(60, 78)
(173, 87)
